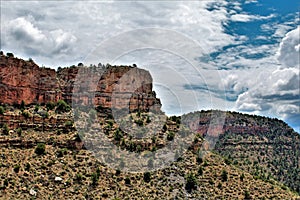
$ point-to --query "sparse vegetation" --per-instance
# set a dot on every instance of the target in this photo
(17, 168)
(5, 129)
(40, 149)
(224, 175)
(147, 177)
(19, 131)
(191, 182)
(2, 110)
(62, 106)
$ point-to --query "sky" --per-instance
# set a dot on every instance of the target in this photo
(231, 55)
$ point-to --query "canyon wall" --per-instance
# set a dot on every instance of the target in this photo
(121, 87)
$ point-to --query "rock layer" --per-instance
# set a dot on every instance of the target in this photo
(121, 87)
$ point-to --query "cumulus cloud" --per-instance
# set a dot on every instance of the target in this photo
(247, 17)
(22, 29)
(24, 36)
(98, 21)
(288, 53)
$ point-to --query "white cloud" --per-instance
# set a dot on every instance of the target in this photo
(21, 28)
(247, 17)
(288, 53)
(91, 22)
(23, 35)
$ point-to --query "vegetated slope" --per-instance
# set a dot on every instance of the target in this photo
(267, 148)
(61, 169)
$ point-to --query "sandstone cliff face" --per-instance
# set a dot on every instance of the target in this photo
(121, 87)
(21, 80)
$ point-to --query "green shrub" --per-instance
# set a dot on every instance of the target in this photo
(148, 120)
(62, 152)
(200, 171)
(247, 195)
(118, 135)
(242, 177)
(5, 129)
(164, 128)
(94, 178)
(139, 122)
(191, 182)
(50, 105)
(170, 135)
(62, 106)
(224, 175)
(2, 110)
(19, 131)
(118, 172)
(36, 108)
(127, 181)
(147, 177)
(68, 123)
(27, 166)
(78, 177)
(25, 114)
(22, 105)
(5, 183)
(17, 168)
(8, 54)
(40, 149)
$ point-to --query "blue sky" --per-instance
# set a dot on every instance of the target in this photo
(230, 55)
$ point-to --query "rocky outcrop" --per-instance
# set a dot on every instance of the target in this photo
(120, 87)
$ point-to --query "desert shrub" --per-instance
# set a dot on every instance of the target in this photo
(8, 54)
(78, 177)
(19, 131)
(25, 114)
(50, 105)
(68, 123)
(118, 172)
(62, 152)
(220, 185)
(17, 168)
(2, 110)
(27, 166)
(22, 105)
(127, 181)
(94, 178)
(199, 160)
(139, 122)
(164, 128)
(170, 135)
(62, 106)
(36, 108)
(118, 135)
(147, 177)
(5, 129)
(224, 175)
(200, 171)
(242, 177)
(247, 195)
(5, 183)
(40, 149)
(191, 182)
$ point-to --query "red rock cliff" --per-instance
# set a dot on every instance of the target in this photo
(117, 86)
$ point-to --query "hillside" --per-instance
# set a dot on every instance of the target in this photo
(267, 148)
(46, 152)
(67, 170)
